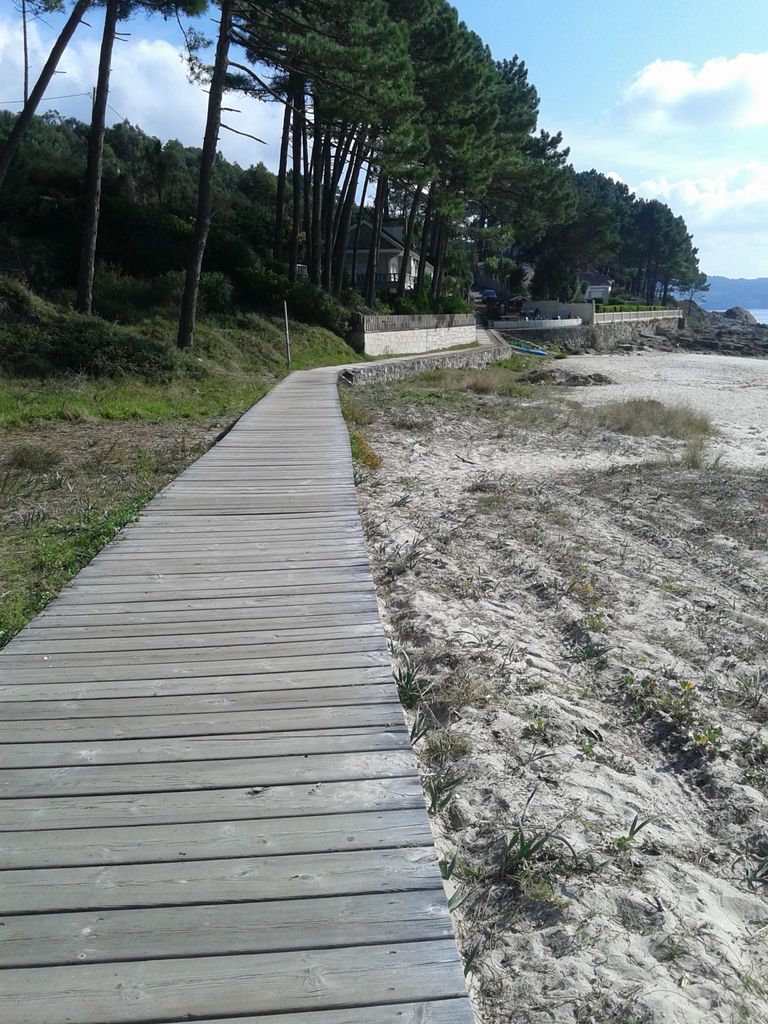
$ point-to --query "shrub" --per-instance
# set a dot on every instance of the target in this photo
(264, 289)
(14, 297)
(215, 292)
(69, 343)
(125, 299)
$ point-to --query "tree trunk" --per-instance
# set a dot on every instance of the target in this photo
(277, 243)
(356, 244)
(437, 242)
(315, 251)
(373, 249)
(408, 242)
(327, 211)
(306, 179)
(84, 301)
(204, 192)
(22, 122)
(298, 97)
(425, 229)
(345, 220)
(26, 48)
(332, 184)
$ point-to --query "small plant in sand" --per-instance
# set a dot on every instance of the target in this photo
(411, 688)
(445, 745)
(440, 789)
(677, 706)
(752, 753)
(625, 842)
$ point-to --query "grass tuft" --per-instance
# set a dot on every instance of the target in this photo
(646, 417)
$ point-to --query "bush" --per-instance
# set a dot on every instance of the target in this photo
(215, 293)
(69, 343)
(14, 297)
(262, 288)
(125, 299)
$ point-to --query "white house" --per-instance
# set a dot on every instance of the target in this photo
(390, 257)
(596, 286)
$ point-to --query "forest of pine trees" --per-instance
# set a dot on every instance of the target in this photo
(388, 99)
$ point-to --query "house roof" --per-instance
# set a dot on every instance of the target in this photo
(388, 242)
(596, 280)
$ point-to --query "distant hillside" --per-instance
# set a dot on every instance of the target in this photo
(725, 292)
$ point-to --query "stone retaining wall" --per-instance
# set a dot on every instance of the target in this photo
(399, 369)
(603, 337)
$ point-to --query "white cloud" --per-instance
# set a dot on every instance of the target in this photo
(148, 86)
(722, 92)
(727, 215)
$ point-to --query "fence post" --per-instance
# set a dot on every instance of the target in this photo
(287, 336)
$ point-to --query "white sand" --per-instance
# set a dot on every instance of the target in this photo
(508, 587)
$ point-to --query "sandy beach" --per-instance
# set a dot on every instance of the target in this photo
(578, 616)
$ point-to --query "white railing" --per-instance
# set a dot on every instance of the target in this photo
(648, 314)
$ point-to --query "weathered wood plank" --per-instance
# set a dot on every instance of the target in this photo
(233, 880)
(242, 662)
(202, 840)
(121, 810)
(61, 629)
(202, 748)
(384, 712)
(214, 692)
(298, 981)
(200, 638)
(442, 1011)
(171, 776)
(223, 929)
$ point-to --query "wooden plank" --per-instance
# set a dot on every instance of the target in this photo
(172, 776)
(203, 840)
(275, 719)
(289, 800)
(243, 661)
(186, 609)
(442, 1011)
(215, 930)
(60, 628)
(298, 981)
(203, 748)
(203, 693)
(232, 880)
(252, 636)
(75, 596)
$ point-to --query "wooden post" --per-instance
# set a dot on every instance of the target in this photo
(287, 336)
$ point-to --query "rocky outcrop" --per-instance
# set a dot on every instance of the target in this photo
(734, 333)
(741, 316)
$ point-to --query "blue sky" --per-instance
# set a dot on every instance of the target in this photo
(670, 96)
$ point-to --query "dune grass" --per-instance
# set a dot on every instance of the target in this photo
(646, 417)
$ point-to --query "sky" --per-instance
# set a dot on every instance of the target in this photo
(669, 96)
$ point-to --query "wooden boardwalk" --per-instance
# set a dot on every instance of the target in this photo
(210, 808)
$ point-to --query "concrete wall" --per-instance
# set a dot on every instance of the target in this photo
(394, 335)
(524, 326)
(425, 339)
(567, 310)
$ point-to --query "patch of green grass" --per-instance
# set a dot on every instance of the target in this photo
(362, 453)
(47, 554)
(234, 362)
